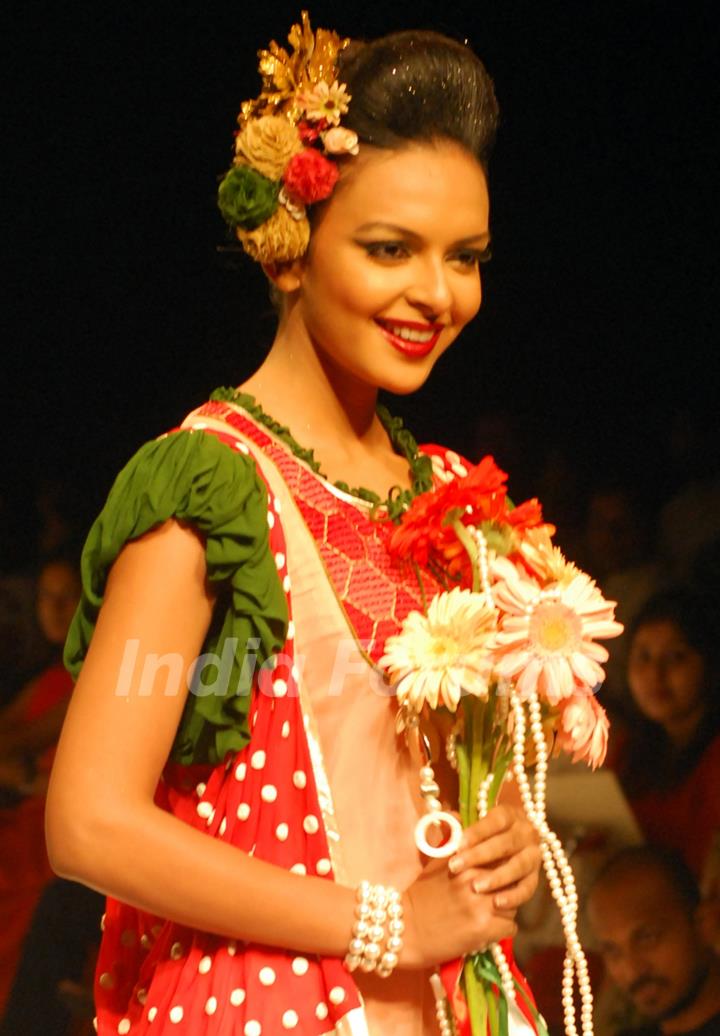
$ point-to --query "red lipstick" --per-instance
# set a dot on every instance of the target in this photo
(407, 346)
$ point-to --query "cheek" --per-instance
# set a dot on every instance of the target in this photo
(637, 677)
(687, 683)
(468, 298)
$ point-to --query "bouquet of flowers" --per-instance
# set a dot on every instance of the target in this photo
(509, 648)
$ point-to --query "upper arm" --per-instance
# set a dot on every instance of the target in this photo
(128, 699)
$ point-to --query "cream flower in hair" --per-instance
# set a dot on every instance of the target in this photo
(325, 102)
(267, 144)
(340, 141)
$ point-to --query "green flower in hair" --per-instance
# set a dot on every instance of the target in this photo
(247, 198)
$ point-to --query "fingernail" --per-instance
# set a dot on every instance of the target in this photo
(480, 885)
(456, 864)
(500, 902)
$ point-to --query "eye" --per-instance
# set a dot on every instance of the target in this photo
(472, 257)
(648, 937)
(389, 251)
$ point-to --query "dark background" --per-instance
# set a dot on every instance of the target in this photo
(599, 330)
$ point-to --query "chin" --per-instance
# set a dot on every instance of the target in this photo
(405, 383)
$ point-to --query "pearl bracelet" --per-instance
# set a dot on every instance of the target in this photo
(378, 906)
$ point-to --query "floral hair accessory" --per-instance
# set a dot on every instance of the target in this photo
(285, 135)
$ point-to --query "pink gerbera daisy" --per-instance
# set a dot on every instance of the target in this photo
(546, 639)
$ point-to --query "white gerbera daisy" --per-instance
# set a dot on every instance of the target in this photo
(438, 656)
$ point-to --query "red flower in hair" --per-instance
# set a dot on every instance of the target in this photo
(310, 177)
(310, 132)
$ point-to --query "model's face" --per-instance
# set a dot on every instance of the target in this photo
(649, 942)
(392, 273)
(666, 675)
(58, 593)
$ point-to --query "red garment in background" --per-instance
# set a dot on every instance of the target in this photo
(24, 867)
(685, 817)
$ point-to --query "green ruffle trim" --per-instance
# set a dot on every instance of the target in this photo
(196, 478)
(402, 440)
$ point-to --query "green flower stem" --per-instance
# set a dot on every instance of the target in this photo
(463, 782)
(481, 750)
(471, 547)
(477, 1000)
(478, 753)
(493, 1015)
(475, 771)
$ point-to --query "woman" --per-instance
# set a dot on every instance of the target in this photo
(29, 728)
(670, 764)
(360, 184)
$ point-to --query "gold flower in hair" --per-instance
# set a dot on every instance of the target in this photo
(279, 239)
(268, 144)
(313, 60)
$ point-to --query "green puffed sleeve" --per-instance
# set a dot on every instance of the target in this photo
(192, 476)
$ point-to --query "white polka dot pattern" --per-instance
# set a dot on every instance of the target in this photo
(262, 800)
(267, 976)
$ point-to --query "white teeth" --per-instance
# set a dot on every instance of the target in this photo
(410, 335)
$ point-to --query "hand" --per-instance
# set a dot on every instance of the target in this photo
(445, 918)
(505, 847)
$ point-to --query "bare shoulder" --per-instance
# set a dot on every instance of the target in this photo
(135, 679)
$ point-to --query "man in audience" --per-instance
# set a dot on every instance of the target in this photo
(645, 911)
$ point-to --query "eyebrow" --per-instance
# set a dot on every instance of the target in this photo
(404, 232)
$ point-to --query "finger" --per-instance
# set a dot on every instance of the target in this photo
(498, 847)
(517, 895)
(499, 819)
(515, 869)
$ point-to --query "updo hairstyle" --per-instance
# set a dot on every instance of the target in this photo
(419, 86)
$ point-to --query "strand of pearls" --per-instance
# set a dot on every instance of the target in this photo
(484, 566)
(557, 867)
(377, 906)
(506, 978)
(445, 1021)
(451, 750)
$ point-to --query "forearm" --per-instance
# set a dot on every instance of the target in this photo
(154, 861)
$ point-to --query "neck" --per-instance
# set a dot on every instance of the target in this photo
(299, 385)
(703, 1007)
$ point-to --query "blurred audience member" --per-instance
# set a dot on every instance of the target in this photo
(669, 764)
(617, 538)
(644, 909)
(29, 728)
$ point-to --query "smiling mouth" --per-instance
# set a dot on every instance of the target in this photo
(411, 338)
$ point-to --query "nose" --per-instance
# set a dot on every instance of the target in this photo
(654, 675)
(430, 288)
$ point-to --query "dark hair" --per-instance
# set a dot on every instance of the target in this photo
(694, 614)
(419, 86)
(653, 857)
